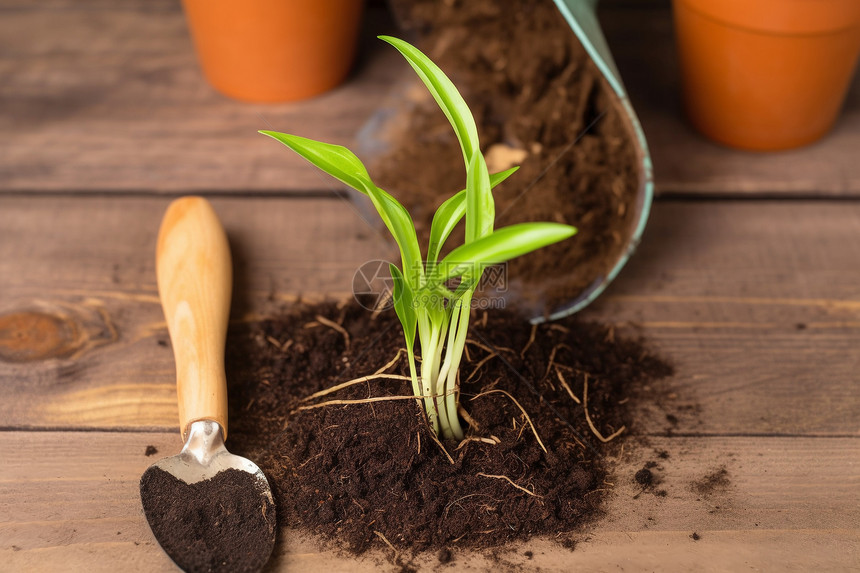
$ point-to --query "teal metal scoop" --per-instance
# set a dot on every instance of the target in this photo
(581, 16)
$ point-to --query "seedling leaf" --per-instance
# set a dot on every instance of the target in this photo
(480, 209)
(445, 93)
(336, 160)
(430, 313)
(400, 225)
(404, 305)
(502, 245)
(450, 213)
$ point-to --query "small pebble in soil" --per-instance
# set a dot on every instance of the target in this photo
(695, 536)
(644, 477)
(529, 554)
(445, 555)
(150, 451)
(661, 493)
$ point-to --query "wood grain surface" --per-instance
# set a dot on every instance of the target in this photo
(789, 504)
(756, 302)
(107, 96)
(100, 96)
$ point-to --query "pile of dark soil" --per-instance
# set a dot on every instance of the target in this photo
(539, 102)
(371, 473)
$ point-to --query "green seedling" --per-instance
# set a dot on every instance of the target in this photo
(424, 299)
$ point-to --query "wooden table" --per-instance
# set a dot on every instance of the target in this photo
(748, 279)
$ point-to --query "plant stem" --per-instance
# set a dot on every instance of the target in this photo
(431, 350)
(425, 341)
(452, 389)
(457, 328)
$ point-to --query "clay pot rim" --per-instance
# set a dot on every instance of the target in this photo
(800, 28)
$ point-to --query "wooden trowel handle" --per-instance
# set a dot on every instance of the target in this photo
(194, 282)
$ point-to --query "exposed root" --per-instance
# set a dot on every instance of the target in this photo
(523, 410)
(388, 543)
(441, 447)
(466, 441)
(469, 419)
(363, 401)
(530, 342)
(551, 362)
(474, 342)
(353, 382)
(392, 362)
(459, 499)
(510, 481)
(478, 366)
(588, 418)
(282, 347)
(566, 387)
(332, 324)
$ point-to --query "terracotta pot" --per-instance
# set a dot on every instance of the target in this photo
(766, 74)
(274, 50)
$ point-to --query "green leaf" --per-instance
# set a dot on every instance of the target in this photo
(449, 214)
(404, 305)
(336, 160)
(342, 164)
(496, 178)
(400, 225)
(445, 93)
(480, 208)
(502, 245)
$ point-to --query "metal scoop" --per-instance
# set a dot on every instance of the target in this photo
(203, 523)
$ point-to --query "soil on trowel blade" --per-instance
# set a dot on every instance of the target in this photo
(221, 524)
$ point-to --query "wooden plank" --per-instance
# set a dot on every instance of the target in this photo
(108, 96)
(684, 161)
(69, 500)
(755, 303)
(82, 271)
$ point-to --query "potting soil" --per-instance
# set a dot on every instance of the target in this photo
(219, 525)
(372, 473)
